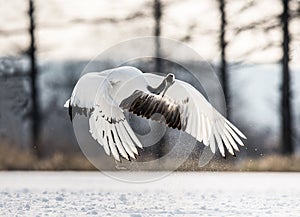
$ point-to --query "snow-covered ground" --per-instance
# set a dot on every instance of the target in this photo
(179, 194)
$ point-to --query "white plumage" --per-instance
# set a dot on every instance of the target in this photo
(103, 97)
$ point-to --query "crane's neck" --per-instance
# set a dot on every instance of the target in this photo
(164, 85)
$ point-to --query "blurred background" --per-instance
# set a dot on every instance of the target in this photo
(254, 46)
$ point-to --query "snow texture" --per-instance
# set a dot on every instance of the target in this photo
(179, 194)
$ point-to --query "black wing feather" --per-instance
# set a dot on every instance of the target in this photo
(147, 104)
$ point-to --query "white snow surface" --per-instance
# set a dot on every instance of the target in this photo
(179, 194)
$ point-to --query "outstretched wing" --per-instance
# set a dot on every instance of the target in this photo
(196, 114)
(110, 128)
(107, 122)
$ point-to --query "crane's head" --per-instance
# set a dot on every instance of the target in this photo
(170, 79)
(164, 85)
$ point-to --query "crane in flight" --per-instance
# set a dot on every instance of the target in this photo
(104, 96)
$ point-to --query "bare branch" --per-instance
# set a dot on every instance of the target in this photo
(109, 20)
(9, 32)
(267, 24)
(248, 5)
(261, 48)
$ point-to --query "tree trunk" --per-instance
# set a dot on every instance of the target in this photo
(286, 120)
(33, 75)
(157, 30)
(223, 65)
(157, 13)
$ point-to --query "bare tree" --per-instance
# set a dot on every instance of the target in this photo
(223, 66)
(157, 13)
(33, 75)
(286, 113)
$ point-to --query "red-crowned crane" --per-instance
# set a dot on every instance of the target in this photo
(103, 97)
